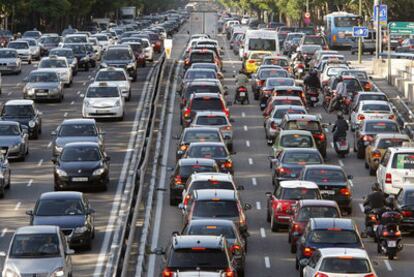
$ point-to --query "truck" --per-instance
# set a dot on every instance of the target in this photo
(127, 14)
(204, 22)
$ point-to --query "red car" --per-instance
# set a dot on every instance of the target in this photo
(287, 193)
(306, 209)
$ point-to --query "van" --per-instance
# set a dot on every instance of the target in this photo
(261, 40)
(368, 43)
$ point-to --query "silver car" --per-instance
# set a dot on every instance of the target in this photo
(23, 49)
(38, 251)
(10, 61)
(14, 139)
(33, 47)
(43, 85)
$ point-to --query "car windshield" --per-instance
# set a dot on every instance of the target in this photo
(9, 130)
(391, 142)
(353, 85)
(35, 246)
(201, 136)
(280, 62)
(299, 193)
(325, 175)
(317, 211)
(51, 40)
(334, 236)
(381, 127)
(102, 92)
(31, 42)
(302, 158)
(200, 74)
(280, 113)
(257, 44)
(258, 56)
(207, 151)
(51, 63)
(78, 49)
(76, 39)
(202, 89)
(31, 34)
(267, 73)
(211, 184)
(308, 125)
(275, 82)
(376, 108)
(212, 230)
(310, 49)
(333, 71)
(215, 208)
(293, 102)
(18, 111)
(206, 104)
(296, 140)
(59, 207)
(101, 38)
(403, 161)
(314, 40)
(379, 97)
(345, 265)
(202, 57)
(360, 75)
(77, 130)
(18, 45)
(117, 54)
(44, 77)
(211, 120)
(8, 54)
(80, 154)
(198, 259)
(187, 170)
(110, 76)
(205, 66)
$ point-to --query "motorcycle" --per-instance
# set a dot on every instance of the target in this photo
(371, 221)
(388, 234)
(241, 95)
(312, 96)
(299, 69)
(341, 146)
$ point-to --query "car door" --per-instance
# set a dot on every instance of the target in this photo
(381, 171)
(64, 250)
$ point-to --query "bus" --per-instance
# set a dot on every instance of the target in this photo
(338, 28)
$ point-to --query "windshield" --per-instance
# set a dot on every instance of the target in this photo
(18, 111)
(117, 54)
(376, 108)
(296, 140)
(308, 125)
(379, 97)
(212, 230)
(264, 74)
(302, 158)
(299, 193)
(31, 42)
(200, 136)
(310, 49)
(353, 85)
(18, 45)
(271, 82)
(5, 54)
(321, 176)
(77, 49)
(35, 246)
(360, 75)
(202, 57)
(317, 211)
(200, 259)
(206, 104)
(102, 92)
(76, 39)
(80, 154)
(257, 44)
(202, 89)
(314, 40)
(59, 207)
(215, 208)
(9, 130)
(381, 127)
(333, 71)
(44, 77)
(77, 130)
(345, 265)
(211, 120)
(207, 151)
(280, 62)
(403, 161)
(51, 63)
(336, 236)
(200, 74)
(280, 113)
(110, 76)
(346, 21)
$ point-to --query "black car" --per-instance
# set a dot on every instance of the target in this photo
(24, 112)
(70, 211)
(183, 170)
(121, 56)
(333, 184)
(405, 204)
(81, 165)
(80, 53)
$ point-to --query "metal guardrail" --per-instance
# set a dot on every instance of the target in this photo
(395, 55)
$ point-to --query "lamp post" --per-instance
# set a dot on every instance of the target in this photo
(360, 38)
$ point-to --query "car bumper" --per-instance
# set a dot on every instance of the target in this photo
(15, 153)
(282, 219)
(10, 69)
(25, 57)
(43, 95)
(102, 112)
(69, 183)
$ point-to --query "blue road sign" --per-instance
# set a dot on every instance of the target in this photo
(360, 31)
(383, 14)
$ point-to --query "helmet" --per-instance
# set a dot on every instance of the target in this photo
(313, 72)
(340, 78)
(340, 115)
(375, 187)
(389, 201)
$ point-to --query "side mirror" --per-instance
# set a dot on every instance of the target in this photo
(158, 251)
(350, 177)
(247, 207)
(29, 212)
(91, 211)
(107, 158)
(69, 251)
(175, 233)
(130, 78)
(240, 187)
(53, 133)
(304, 262)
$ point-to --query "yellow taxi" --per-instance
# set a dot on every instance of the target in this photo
(254, 60)
(377, 148)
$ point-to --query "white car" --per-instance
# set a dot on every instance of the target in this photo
(148, 50)
(34, 48)
(331, 70)
(103, 101)
(97, 49)
(118, 77)
(22, 48)
(59, 65)
(371, 109)
(339, 262)
(103, 40)
(396, 169)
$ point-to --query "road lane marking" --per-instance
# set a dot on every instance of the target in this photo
(254, 181)
(243, 114)
(247, 143)
(332, 145)
(351, 183)
(388, 265)
(250, 161)
(245, 128)
(3, 232)
(267, 262)
(9, 93)
(29, 184)
(49, 145)
(73, 102)
(17, 206)
(262, 232)
(361, 207)
(40, 162)
(341, 163)
(65, 114)
(258, 205)
(78, 92)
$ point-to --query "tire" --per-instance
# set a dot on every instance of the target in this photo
(323, 153)
(297, 263)
(268, 218)
(273, 225)
(86, 68)
(88, 244)
(8, 182)
(2, 192)
(360, 153)
(121, 118)
(391, 255)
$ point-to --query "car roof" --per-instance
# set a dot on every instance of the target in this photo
(192, 241)
(207, 143)
(192, 161)
(329, 223)
(317, 203)
(205, 94)
(43, 70)
(379, 120)
(61, 195)
(298, 149)
(79, 121)
(215, 113)
(201, 128)
(323, 166)
(103, 84)
(111, 68)
(37, 229)
(215, 194)
(18, 102)
(83, 143)
(370, 93)
(343, 252)
(288, 88)
(391, 135)
(286, 98)
(211, 221)
(289, 106)
(205, 176)
(295, 132)
(298, 184)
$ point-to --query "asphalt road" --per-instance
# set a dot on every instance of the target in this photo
(35, 175)
(269, 252)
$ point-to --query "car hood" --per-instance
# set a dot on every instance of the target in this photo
(36, 265)
(68, 221)
(102, 102)
(9, 140)
(58, 70)
(42, 85)
(85, 168)
(8, 60)
(62, 141)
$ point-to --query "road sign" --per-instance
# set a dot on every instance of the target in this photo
(360, 31)
(401, 28)
(168, 47)
(383, 14)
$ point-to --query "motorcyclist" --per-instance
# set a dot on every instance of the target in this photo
(241, 81)
(312, 80)
(376, 199)
(341, 91)
(298, 57)
(340, 128)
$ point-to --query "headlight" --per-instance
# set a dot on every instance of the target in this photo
(58, 148)
(80, 230)
(15, 146)
(98, 172)
(61, 172)
(117, 103)
(32, 123)
(10, 273)
(30, 91)
(58, 272)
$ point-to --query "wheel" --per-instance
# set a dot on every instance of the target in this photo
(8, 182)
(391, 255)
(86, 68)
(128, 97)
(297, 263)
(273, 225)
(268, 216)
(300, 271)
(134, 79)
(88, 244)
(1, 192)
(105, 186)
(323, 153)
(230, 147)
(121, 118)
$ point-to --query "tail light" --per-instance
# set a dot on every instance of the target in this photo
(158, 43)
(385, 233)
(227, 112)
(392, 117)
(320, 274)
(370, 275)
(183, 147)
(229, 272)
(283, 170)
(235, 249)
(186, 200)
(178, 180)
(397, 234)
(260, 83)
(307, 252)
(367, 87)
(376, 154)
(320, 137)
(167, 272)
(407, 213)
(411, 47)
(388, 178)
(227, 128)
(251, 61)
(302, 95)
(273, 125)
(245, 55)
(186, 61)
(345, 192)
(282, 207)
(228, 164)
(296, 227)
(367, 138)
(242, 89)
(187, 113)
(373, 217)
(361, 117)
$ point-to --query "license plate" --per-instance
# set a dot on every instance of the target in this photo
(41, 93)
(314, 98)
(329, 192)
(392, 243)
(102, 111)
(242, 94)
(80, 179)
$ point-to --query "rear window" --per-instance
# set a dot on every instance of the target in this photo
(317, 211)
(211, 120)
(345, 265)
(264, 74)
(207, 151)
(187, 170)
(308, 125)
(288, 92)
(202, 57)
(381, 127)
(203, 89)
(206, 104)
(212, 230)
(353, 85)
(403, 161)
(200, 74)
(379, 97)
(257, 44)
(198, 259)
(376, 108)
(314, 40)
(258, 56)
(216, 208)
(337, 236)
(280, 62)
(391, 142)
(287, 102)
(280, 82)
(211, 184)
(325, 176)
(299, 193)
(281, 112)
(296, 140)
(195, 136)
(302, 158)
(360, 75)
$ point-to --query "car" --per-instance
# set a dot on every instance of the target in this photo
(314, 40)
(76, 130)
(217, 203)
(59, 65)
(5, 173)
(43, 85)
(34, 47)
(196, 74)
(218, 120)
(264, 72)
(69, 210)
(272, 83)
(116, 76)
(14, 140)
(371, 109)
(103, 100)
(405, 204)
(75, 38)
(200, 86)
(10, 62)
(331, 72)
(376, 149)
(183, 170)
(308, 50)
(138, 52)
(208, 66)
(306, 209)
(253, 61)
(272, 122)
(324, 233)
(121, 56)
(317, 56)
(212, 150)
(148, 49)
(24, 112)
(310, 123)
(333, 184)
(103, 40)
(371, 95)
(291, 42)
(362, 77)
(287, 91)
(80, 53)
(200, 56)
(352, 84)
(22, 48)
(38, 251)
(94, 57)
(293, 139)
(68, 54)
(332, 60)
(280, 203)
(81, 165)
(198, 253)
(339, 261)
(274, 101)
(368, 130)
(221, 227)
(34, 34)
(48, 42)
(97, 49)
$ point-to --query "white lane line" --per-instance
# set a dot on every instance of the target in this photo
(29, 184)
(81, 95)
(243, 114)
(351, 183)
(73, 102)
(49, 145)
(84, 83)
(40, 162)
(388, 265)
(89, 76)
(247, 143)
(9, 93)
(361, 207)
(258, 205)
(332, 145)
(341, 163)
(65, 114)
(17, 206)
(267, 262)
(78, 92)
(250, 161)
(262, 232)
(245, 128)
(254, 181)
(3, 232)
